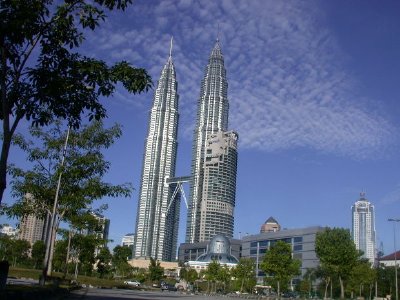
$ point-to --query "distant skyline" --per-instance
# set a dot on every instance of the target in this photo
(314, 96)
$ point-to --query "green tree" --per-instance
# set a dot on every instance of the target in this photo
(82, 174)
(42, 74)
(5, 247)
(156, 272)
(211, 275)
(337, 253)
(103, 263)
(244, 272)
(279, 264)
(120, 260)
(362, 279)
(60, 255)
(224, 277)
(38, 253)
(19, 251)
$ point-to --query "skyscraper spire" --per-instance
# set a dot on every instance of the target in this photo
(170, 48)
(156, 225)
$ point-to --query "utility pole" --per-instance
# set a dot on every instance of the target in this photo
(395, 255)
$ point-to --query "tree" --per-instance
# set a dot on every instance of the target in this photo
(212, 271)
(103, 262)
(224, 276)
(337, 253)
(19, 251)
(279, 264)
(82, 175)
(244, 272)
(362, 276)
(120, 260)
(38, 253)
(156, 272)
(5, 247)
(42, 74)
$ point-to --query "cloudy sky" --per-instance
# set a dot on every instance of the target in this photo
(314, 94)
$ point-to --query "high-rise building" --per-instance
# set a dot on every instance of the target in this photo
(157, 221)
(363, 227)
(212, 117)
(219, 186)
(128, 240)
(32, 229)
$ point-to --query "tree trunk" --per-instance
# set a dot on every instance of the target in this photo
(279, 290)
(341, 288)
(326, 288)
(5, 150)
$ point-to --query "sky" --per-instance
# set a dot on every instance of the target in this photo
(314, 94)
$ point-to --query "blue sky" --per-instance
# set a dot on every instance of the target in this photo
(314, 94)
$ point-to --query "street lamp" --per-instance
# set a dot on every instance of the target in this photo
(395, 255)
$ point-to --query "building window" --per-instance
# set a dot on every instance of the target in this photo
(298, 239)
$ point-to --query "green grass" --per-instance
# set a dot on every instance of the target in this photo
(94, 281)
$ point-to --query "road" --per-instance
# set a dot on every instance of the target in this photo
(115, 294)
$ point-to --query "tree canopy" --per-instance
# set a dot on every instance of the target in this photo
(43, 76)
(82, 175)
(244, 272)
(337, 253)
(279, 264)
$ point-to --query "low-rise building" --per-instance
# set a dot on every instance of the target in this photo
(302, 241)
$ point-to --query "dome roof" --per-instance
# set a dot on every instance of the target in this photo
(218, 250)
(219, 244)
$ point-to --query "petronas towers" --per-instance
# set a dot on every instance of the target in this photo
(213, 170)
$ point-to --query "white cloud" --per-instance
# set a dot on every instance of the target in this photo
(287, 84)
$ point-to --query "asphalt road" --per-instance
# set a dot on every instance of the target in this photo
(115, 294)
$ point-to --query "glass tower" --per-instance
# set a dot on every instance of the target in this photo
(363, 227)
(212, 117)
(157, 221)
(219, 188)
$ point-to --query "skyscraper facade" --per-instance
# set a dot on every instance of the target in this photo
(219, 188)
(157, 221)
(363, 227)
(212, 117)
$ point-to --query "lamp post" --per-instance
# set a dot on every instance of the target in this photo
(395, 255)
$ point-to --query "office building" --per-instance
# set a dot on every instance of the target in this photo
(212, 117)
(128, 240)
(363, 227)
(219, 186)
(157, 218)
(301, 240)
(33, 228)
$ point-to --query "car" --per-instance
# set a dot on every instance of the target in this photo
(168, 287)
(132, 283)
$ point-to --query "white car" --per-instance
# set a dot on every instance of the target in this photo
(132, 283)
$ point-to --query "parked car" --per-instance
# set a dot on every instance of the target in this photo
(132, 282)
(168, 287)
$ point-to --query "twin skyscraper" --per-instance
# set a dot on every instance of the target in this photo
(213, 170)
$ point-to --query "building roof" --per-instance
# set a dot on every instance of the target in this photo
(391, 256)
(271, 220)
(218, 250)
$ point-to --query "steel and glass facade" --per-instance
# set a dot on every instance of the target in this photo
(219, 186)
(302, 242)
(363, 227)
(212, 117)
(157, 222)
